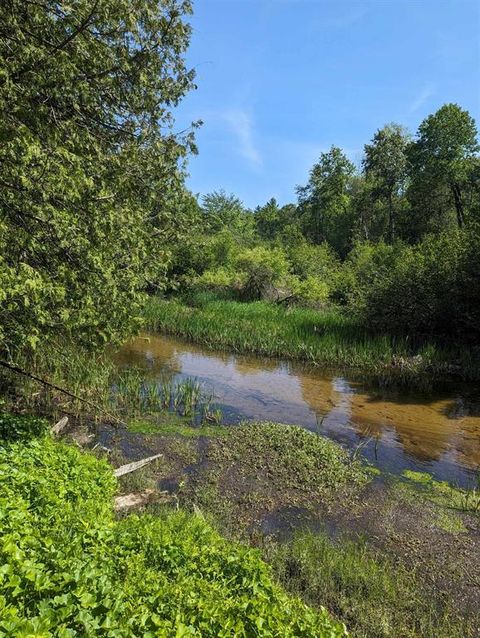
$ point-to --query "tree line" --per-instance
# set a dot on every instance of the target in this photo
(396, 241)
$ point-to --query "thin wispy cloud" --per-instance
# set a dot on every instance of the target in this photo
(241, 125)
(421, 98)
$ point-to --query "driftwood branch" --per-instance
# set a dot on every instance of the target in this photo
(59, 426)
(140, 499)
(136, 465)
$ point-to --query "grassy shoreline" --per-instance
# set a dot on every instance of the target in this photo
(326, 338)
(236, 481)
(70, 568)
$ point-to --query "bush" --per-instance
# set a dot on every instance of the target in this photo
(430, 289)
(309, 260)
(310, 291)
(14, 427)
(263, 268)
(67, 568)
(216, 279)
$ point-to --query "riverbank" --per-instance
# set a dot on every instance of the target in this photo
(326, 338)
(391, 557)
(71, 568)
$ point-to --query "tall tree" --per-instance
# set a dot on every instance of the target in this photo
(324, 201)
(385, 163)
(267, 219)
(444, 155)
(224, 210)
(90, 166)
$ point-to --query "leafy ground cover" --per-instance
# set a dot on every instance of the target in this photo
(68, 568)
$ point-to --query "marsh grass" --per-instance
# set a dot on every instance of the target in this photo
(422, 484)
(104, 390)
(83, 373)
(327, 338)
(132, 395)
(374, 597)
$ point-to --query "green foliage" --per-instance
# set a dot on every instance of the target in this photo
(386, 164)
(218, 279)
(68, 569)
(367, 264)
(324, 201)
(267, 219)
(443, 157)
(309, 260)
(429, 289)
(15, 427)
(309, 291)
(91, 170)
(443, 493)
(264, 269)
(329, 337)
(296, 457)
(225, 211)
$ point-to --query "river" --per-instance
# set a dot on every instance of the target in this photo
(435, 432)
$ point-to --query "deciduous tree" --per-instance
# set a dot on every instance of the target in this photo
(90, 166)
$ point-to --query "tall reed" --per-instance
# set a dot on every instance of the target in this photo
(328, 338)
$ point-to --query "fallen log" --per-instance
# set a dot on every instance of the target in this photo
(136, 465)
(59, 426)
(140, 499)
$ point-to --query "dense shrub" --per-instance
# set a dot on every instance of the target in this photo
(67, 568)
(309, 260)
(432, 288)
(264, 268)
(15, 427)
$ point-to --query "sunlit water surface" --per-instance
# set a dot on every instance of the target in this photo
(437, 433)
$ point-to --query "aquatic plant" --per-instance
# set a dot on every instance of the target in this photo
(132, 394)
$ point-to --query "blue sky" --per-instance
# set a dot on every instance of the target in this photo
(280, 81)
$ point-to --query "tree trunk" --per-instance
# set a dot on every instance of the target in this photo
(391, 218)
(457, 196)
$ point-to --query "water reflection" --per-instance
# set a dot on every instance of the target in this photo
(439, 434)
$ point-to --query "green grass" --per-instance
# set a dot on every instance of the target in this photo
(107, 390)
(376, 598)
(70, 569)
(327, 338)
(169, 424)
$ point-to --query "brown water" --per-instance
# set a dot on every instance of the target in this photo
(437, 433)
